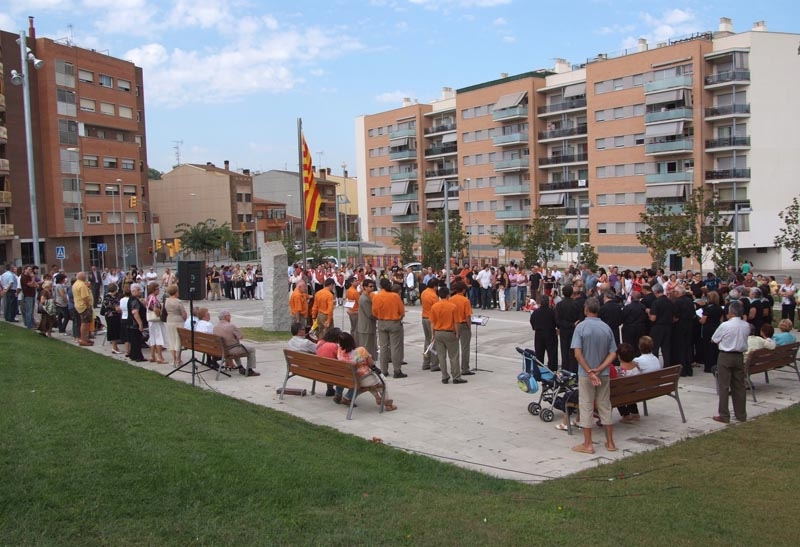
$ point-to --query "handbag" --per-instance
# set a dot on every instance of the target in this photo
(153, 314)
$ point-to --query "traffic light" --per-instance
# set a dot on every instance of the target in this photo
(132, 202)
(149, 249)
(158, 244)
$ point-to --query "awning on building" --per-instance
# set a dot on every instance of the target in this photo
(450, 137)
(398, 188)
(575, 89)
(509, 101)
(434, 186)
(572, 224)
(401, 208)
(551, 199)
(665, 191)
(670, 96)
(435, 204)
(664, 129)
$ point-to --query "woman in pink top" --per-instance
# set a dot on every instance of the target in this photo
(329, 347)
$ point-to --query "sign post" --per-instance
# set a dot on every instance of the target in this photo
(102, 248)
(61, 254)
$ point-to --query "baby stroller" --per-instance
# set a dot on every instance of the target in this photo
(554, 385)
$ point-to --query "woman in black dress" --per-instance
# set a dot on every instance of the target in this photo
(111, 311)
(137, 315)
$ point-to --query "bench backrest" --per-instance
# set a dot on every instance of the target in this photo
(210, 344)
(762, 360)
(642, 387)
(322, 369)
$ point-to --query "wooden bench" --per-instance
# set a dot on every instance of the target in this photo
(329, 371)
(764, 360)
(640, 389)
(209, 344)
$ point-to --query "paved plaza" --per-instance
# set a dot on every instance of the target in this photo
(482, 425)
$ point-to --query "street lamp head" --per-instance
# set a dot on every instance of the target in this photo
(16, 78)
(37, 63)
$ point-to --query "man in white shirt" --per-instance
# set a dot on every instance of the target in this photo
(411, 285)
(151, 275)
(731, 338)
(484, 278)
(202, 321)
(786, 292)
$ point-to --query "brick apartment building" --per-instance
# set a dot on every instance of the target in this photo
(88, 122)
(595, 143)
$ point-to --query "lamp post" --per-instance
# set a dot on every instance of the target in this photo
(80, 208)
(27, 55)
(122, 226)
(338, 239)
(114, 211)
(346, 237)
(447, 231)
(467, 183)
(578, 256)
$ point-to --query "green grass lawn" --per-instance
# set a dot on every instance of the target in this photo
(257, 334)
(96, 452)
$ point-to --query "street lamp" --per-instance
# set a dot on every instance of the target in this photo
(578, 257)
(26, 55)
(346, 237)
(340, 199)
(467, 183)
(122, 225)
(447, 189)
(80, 207)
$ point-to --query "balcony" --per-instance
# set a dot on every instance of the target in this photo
(728, 143)
(430, 173)
(516, 214)
(672, 208)
(2, 103)
(442, 150)
(731, 110)
(406, 175)
(578, 130)
(3, 134)
(573, 104)
(402, 133)
(405, 219)
(5, 167)
(5, 198)
(512, 189)
(728, 174)
(564, 158)
(730, 205)
(728, 77)
(518, 164)
(403, 155)
(672, 147)
(682, 113)
(669, 83)
(659, 178)
(510, 140)
(411, 196)
(519, 112)
(580, 184)
(442, 128)
(6, 230)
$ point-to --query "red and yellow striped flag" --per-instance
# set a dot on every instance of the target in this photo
(310, 191)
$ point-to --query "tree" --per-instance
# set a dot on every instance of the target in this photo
(512, 238)
(702, 236)
(204, 237)
(432, 240)
(789, 238)
(544, 240)
(292, 255)
(588, 255)
(314, 248)
(662, 223)
(406, 239)
(154, 174)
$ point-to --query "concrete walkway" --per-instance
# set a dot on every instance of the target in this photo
(482, 425)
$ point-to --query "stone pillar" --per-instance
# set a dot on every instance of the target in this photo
(274, 266)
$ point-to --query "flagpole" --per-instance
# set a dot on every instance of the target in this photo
(303, 196)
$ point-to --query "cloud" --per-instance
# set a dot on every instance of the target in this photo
(655, 28)
(458, 4)
(392, 97)
(500, 21)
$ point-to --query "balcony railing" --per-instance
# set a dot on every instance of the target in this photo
(563, 185)
(665, 115)
(580, 129)
(515, 138)
(728, 174)
(513, 113)
(441, 172)
(516, 214)
(400, 155)
(658, 178)
(403, 133)
(730, 205)
(405, 175)
(564, 158)
(669, 83)
(5, 198)
(564, 105)
(509, 165)
(411, 196)
(405, 218)
(6, 229)
(728, 76)
(683, 145)
(439, 150)
(5, 167)
(728, 142)
(3, 134)
(440, 128)
(509, 189)
(727, 110)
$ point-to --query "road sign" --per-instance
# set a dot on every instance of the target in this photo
(102, 247)
(61, 253)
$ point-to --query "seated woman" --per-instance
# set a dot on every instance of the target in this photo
(761, 341)
(627, 367)
(646, 362)
(785, 336)
(329, 347)
(368, 378)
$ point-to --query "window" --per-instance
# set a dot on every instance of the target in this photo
(619, 170)
(638, 110)
(619, 141)
(69, 184)
(601, 172)
(248, 198)
(107, 108)
(110, 163)
(65, 102)
(638, 169)
(92, 188)
(601, 228)
(85, 76)
(100, 133)
(65, 74)
(617, 84)
(120, 136)
(87, 105)
(128, 165)
(600, 116)
(638, 139)
(137, 139)
(105, 81)
(94, 218)
(619, 113)
(619, 199)
(240, 217)
(129, 189)
(601, 144)
(638, 79)
(113, 217)
(601, 199)
(112, 189)
(239, 197)
(124, 85)
(67, 132)
(125, 112)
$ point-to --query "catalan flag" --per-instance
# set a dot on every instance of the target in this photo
(311, 195)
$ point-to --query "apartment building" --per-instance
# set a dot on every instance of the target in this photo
(595, 144)
(89, 152)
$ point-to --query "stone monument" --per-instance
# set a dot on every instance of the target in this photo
(274, 266)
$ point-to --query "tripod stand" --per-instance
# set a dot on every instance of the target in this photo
(479, 320)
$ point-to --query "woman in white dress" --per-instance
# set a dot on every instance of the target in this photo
(158, 331)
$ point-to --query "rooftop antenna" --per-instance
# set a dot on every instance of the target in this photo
(71, 35)
(177, 148)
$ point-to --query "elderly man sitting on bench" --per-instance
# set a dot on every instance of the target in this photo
(232, 336)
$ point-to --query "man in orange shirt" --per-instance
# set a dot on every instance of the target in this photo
(463, 323)
(443, 321)
(388, 309)
(322, 310)
(298, 303)
(351, 305)
(429, 297)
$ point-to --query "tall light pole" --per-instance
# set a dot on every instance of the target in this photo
(122, 225)
(338, 233)
(447, 231)
(467, 183)
(346, 242)
(578, 254)
(114, 211)
(23, 79)
(80, 207)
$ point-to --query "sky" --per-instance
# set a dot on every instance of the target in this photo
(228, 79)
